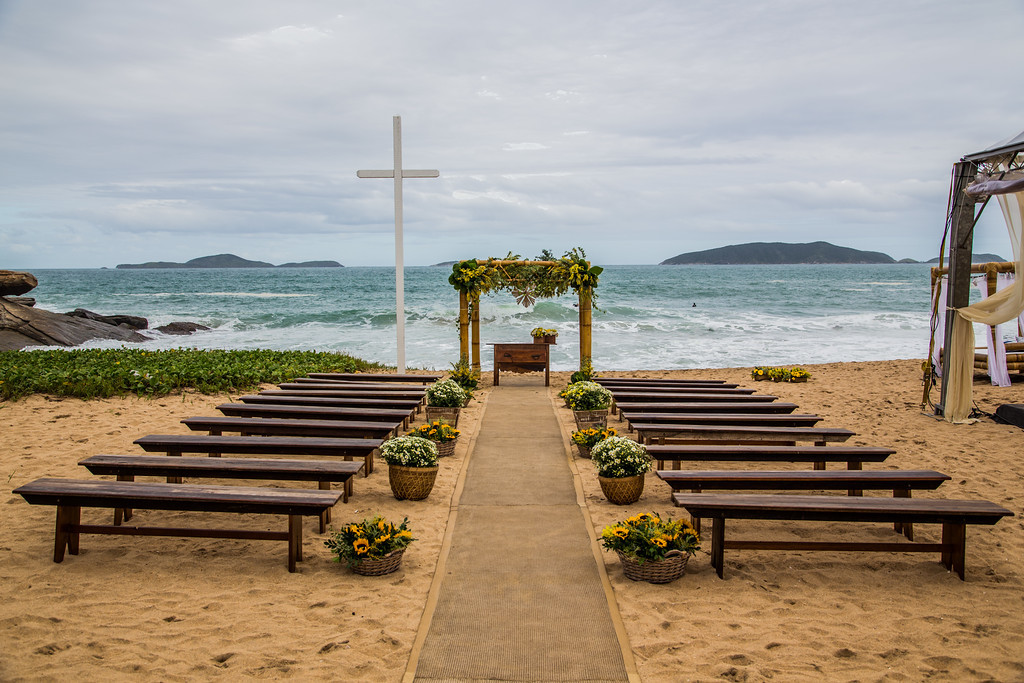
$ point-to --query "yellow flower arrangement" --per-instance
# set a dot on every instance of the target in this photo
(370, 539)
(646, 537)
(438, 431)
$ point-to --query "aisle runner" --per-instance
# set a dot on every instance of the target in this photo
(522, 599)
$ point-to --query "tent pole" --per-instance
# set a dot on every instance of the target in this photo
(960, 251)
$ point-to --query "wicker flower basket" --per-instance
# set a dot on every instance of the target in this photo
(587, 419)
(449, 415)
(385, 565)
(584, 451)
(411, 483)
(445, 448)
(622, 490)
(661, 571)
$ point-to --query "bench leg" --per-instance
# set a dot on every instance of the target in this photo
(347, 489)
(67, 516)
(123, 514)
(718, 545)
(954, 537)
(325, 516)
(495, 374)
(819, 465)
(905, 528)
(294, 541)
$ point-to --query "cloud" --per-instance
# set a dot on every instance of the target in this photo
(680, 127)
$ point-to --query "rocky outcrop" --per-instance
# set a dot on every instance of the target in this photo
(21, 326)
(15, 283)
(132, 322)
(181, 328)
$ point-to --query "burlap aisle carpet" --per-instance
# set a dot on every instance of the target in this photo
(521, 598)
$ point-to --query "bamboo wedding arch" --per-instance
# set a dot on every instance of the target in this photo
(527, 280)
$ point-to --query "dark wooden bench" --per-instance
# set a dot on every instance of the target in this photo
(248, 426)
(653, 381)
(348, 384)
(412, 405)
(127, 467)
(695, 434)
(853, 456)
(690, 397)
(71, 495)
(775, 407)
(953, 515)
(900, 482)
(679, 389)
(378, 377)
(292, 389)
(736, 419)
(177, 444)
(300, 412)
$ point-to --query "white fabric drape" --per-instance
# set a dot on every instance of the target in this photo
(997, 371)
(1004, 280)
(1002, 306)
(939, 333)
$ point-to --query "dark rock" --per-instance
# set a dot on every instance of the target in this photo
(22, 300)
(132, 322)
(15, 283)
(21, 326)
(181, 328)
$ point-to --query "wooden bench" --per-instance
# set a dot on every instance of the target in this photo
(853, 456)
(708, 407)
(695, 434)
(379, 377)
(348, 384)
(689, 397)
(71, 495)
(247, 426)
(737, 419)
(653, 381)
(678, 389)
(127, 467)
(343, 398)
(177, 444)
(344, 392)
(900, 482)
(412, 405)
(953, 515)
(300, 412)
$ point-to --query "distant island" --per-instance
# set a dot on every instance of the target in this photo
(778, 253)
(226, 261)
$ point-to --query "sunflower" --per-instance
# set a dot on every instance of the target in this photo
(361, 546)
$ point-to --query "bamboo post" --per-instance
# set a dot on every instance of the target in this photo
(585, 338)
(463, 327)
(475, 323)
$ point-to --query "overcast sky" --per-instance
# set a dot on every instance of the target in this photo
(137, 131)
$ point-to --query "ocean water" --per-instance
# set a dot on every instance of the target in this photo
(744, 315)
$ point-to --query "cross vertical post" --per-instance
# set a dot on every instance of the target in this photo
(398, 173)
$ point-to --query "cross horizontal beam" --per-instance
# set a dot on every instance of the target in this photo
(406, 173)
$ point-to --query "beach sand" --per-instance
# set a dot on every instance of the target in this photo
(185, 609)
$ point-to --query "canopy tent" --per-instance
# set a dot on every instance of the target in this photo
(997, 171)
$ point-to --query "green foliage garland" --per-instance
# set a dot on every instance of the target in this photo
(528, 282)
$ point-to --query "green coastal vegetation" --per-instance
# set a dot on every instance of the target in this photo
(102, 373)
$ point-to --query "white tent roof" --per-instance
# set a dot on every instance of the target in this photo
(1014, 144)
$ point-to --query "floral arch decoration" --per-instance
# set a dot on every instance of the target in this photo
(543, 277)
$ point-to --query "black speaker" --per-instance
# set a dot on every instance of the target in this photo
(1011, 414)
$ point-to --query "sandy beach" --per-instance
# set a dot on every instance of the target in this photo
(186, 609)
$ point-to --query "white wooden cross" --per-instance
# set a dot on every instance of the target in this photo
(398, 173)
